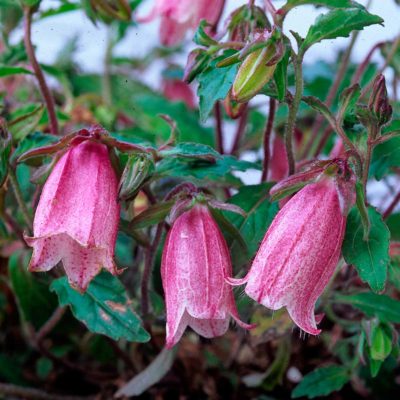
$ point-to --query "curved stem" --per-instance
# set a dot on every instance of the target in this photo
(293, 109)
(267, 138)
(47, 96)
(19, 198)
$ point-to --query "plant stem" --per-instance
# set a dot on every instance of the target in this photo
(19, 392)
(148, 266)
(49, 325)
(19, 198)
(219, 134)
(392, 206)
(370, 146)
(267, 138)
(363, 66)
(331, 94)
(239, 131)
(47, 96)
(293, 109)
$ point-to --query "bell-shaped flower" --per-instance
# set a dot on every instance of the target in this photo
(195, 264)
(300, 251)
(76, 220)
(180, 16)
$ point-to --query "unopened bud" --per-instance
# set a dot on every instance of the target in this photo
(379, 101)
(138, 168)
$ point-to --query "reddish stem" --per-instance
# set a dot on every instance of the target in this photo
(219, 135)
(363, 66)
(267, 138)
(392, 206)
(47, 96)
(240, 131)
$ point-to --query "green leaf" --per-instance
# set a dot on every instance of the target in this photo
(347, 101)
(320, 107)
(327, 3)
(322, 381)
(200, 170)
(152, 215)
(8, 70)
(339, 23)
(255, 201)
(280, 75)
(21, 126)
(191, 150)
(374, 305)
(385, 157)
(370, 257)
(35, 303)
(104, 308)
(393, 223)
(214, 85)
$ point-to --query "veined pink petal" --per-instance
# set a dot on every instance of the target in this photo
(76, 220)
(299, 253)
(195, 264)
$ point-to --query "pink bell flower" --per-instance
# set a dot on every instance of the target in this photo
(300, 251)
(195, 264)
(180, 16)
(76, 220)
(177, 90)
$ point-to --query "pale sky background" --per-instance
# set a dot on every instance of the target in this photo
(50, 34)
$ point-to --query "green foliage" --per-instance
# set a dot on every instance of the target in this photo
(7, 71)
(371, 256)
(321, 382)
(104, 308)
(35, 303)
(374, 305)
(338, 23)
(214, 85)
(255, 201)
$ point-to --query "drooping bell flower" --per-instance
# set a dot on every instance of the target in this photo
(195, 264)
(180, 16)
(300, 250)
(279, 166)
(177, 90)
(76, 220)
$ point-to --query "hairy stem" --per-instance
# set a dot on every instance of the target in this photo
(44, 89)
(267, 138)
(293, 109)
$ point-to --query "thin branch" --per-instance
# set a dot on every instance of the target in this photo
(392, 206)
(47, 96)
(363, 66)
(219, 134)
(50, 323)
(267, 138)
(293, 109)
(240, 131)
(19, 392)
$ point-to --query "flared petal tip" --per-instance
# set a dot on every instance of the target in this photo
(236, 281)
(242, 324)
